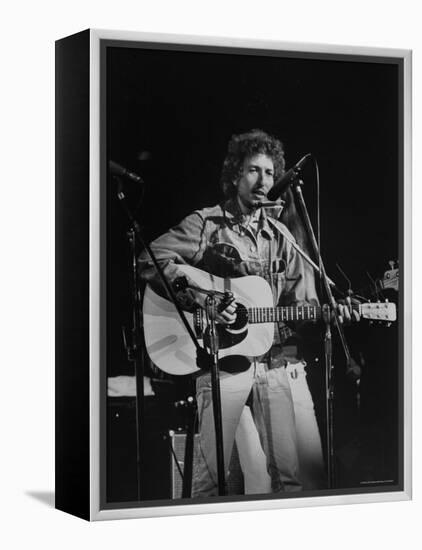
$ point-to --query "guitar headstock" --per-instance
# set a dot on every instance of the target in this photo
(391, 277)
(379, 311)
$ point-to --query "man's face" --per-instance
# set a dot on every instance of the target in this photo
(256, 179)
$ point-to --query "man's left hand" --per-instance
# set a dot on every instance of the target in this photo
(346, 314)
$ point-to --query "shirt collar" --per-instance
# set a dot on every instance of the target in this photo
(235, 217)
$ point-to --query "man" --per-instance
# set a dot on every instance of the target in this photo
(234, 239)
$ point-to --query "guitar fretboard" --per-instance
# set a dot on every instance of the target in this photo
(285, 313)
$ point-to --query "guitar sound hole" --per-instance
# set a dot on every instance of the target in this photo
(230, 335)
(241, 319)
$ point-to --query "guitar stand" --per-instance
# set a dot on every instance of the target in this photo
(204, 359)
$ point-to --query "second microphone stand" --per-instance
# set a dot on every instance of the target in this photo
(212, 306)
(205, 360)
(328, 311)
(211, 309)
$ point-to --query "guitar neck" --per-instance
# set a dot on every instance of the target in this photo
(284, 313)
(287, 313)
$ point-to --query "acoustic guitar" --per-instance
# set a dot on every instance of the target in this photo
(171, 349)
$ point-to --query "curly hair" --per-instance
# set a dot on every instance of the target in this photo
(242, 146)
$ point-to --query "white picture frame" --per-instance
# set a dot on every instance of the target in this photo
(90, 50)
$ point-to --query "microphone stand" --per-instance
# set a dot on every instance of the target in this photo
(327, 311)
(136, 354)
(211, 310)
(138, 347)
(135, 350)
(203, 357)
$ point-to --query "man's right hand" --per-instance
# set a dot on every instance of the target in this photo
(228, 315)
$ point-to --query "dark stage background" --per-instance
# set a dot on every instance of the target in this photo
(170, 115)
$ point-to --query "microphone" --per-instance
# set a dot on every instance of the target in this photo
(268, 204)
(288, 178)
(118, 170)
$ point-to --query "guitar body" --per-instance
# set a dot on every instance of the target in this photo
(168, 343)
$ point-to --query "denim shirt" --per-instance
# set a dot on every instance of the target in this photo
(222, 242)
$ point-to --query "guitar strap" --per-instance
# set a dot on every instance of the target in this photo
(281, 327)
(270, 276)
(300, 250)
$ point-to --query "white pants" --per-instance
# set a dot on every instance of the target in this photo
(274, 420)
(311, 464)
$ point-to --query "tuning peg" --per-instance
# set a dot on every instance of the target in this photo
(391, 263)
(389, 324)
